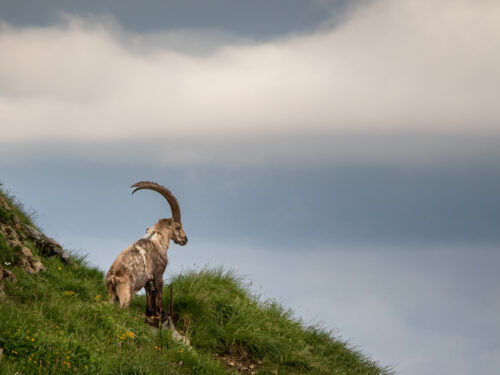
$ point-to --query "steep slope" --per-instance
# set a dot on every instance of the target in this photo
(54, 320)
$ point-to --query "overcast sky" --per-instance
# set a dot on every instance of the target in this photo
(342, 154)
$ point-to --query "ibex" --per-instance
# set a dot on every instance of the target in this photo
(142, 264)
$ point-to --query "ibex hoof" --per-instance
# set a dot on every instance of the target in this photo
(153, 321)
(164, 317)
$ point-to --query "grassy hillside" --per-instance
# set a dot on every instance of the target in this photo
(56, 321)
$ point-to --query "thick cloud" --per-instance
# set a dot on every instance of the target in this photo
(392, 67)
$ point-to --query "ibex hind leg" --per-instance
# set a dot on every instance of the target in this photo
(111, 285)
(124, 295)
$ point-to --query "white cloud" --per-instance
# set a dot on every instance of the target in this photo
(393, 66)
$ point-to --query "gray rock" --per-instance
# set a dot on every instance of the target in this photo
(47, 246)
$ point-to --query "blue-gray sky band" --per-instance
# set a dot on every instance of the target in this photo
(350, 203)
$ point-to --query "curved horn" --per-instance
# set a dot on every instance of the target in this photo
(167, 194)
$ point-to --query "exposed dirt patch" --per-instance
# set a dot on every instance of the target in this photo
(239, 363)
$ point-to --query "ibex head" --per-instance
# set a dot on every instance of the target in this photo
(174, 224)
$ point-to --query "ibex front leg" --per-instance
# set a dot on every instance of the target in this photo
(159, 300)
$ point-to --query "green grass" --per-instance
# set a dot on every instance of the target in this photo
(219, 313)
(6, 252)
(57, 322)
